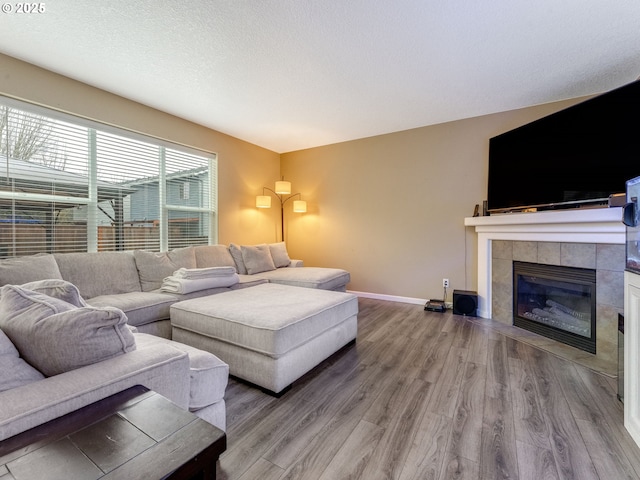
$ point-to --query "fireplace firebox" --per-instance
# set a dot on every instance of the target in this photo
(557, 302)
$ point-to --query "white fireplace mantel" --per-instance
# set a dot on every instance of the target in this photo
(595, 225)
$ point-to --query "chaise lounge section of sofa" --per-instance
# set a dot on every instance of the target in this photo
(58, 354)
(161, 368)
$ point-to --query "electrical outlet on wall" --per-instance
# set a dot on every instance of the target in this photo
(445, 282)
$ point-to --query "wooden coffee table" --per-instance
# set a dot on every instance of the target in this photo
(133, 434)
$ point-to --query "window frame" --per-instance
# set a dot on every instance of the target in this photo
(92, 201)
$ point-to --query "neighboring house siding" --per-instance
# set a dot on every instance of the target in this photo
(145, 204)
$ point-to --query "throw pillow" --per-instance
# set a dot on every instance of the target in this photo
(213, 256)
(236, 254)
(279, 254)
(54, 336)
(60, 289)
(257, 258)
(154, 267)
(15, 371)
(16, 271)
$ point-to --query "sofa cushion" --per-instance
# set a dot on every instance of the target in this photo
(257, 258)
(209, 375)
(213, 256)
(236, 254)
(246, 281)
(16, 271)
(279, 254)
(142, 308)
(15, 371)
(99, 273)
(153, 267)
(139, 307)
(60, 289)
(55, 336)
(310, 277)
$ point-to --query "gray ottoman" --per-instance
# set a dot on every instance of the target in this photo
(269, 334)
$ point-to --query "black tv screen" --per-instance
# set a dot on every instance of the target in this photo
(579, 155)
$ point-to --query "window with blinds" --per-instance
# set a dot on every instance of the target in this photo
(68, 185)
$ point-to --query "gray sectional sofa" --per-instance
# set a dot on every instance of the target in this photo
(139, 336)
(132, 280)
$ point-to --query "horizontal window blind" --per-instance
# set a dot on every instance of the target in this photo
(187, 198)
(128, 202)
(68, 185)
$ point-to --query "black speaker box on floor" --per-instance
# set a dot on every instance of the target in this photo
(465, 302)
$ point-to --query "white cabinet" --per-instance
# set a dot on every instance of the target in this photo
(632, 354)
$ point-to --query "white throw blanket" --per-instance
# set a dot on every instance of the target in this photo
(175, 284)
(184, 285)
(194, 273)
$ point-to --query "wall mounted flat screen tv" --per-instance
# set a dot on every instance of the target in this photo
(575, 157)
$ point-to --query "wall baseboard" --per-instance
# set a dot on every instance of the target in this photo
(390, 298)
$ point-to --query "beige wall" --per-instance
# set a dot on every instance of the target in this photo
(243, 168)
(390, 209)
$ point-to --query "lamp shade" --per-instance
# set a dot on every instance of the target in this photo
(263, 201)
(299, 206)
(283, 187)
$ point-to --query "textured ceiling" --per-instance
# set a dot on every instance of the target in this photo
(293, 74)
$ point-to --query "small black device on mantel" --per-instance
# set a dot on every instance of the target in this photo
(435, 306)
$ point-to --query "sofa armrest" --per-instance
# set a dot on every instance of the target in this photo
(296, 263)
(161, 368)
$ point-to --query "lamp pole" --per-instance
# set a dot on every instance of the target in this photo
(282, 202)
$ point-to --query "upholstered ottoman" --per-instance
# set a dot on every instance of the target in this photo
(270, 334)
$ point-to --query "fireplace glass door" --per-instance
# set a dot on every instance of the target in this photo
(557, 302)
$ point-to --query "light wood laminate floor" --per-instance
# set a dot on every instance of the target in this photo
(425, 395)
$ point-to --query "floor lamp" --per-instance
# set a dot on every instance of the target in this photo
(282, 188)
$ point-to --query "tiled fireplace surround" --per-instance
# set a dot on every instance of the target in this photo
(592, 238)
